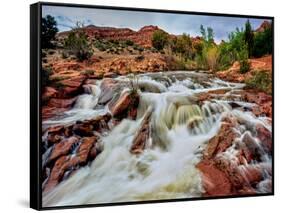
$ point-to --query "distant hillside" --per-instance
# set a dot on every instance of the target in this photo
(141, 37)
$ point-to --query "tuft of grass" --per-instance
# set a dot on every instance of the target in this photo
(58, 85)
(244, 66)
(134, 83)
(58, 78)
(139, 58)
(88, 72)
(129, 42)
(46, 73)
(64, 55)
(260, 80)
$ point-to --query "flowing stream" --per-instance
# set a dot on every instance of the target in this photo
(180, 129)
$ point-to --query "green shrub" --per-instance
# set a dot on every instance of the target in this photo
(200, 62)
(135, 47)
(48, 31)
(46, 73)
(243, 60)
(179, 63)
(88, 72)
(64, 55)
(159, 39)
(244, 66)
(129, 42)
(43, 54)
(58, 78)
(211, 56)
(101, 46)
(141, 49)
(261, 80)
(263, 43)
(58, 85)
(77, 43)
(139, 58)
(183, 45)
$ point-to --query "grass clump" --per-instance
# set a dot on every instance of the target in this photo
(261, 80)
(244, 66)
(88, 72)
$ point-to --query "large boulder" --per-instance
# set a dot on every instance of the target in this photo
(227, 165)
(215, 181)
(49, 92)
(67, 163)
(87, 127)
(265, 136)
(126, 104)
(56, 106)
(221, 141)
(109, 87)
(63, 148)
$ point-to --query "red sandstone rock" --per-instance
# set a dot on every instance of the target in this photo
(215, 182)
(70, 163)
(61, 103)
(124, 104)
(108, 88)
(263, 26)
(66, 65)
(62, 148)
(87, 127)
(49, 92)
(265, 137)
(221, 141)
(142, 135)
(84, 150)
(141, 37)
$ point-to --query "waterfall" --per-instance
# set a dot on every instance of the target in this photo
(166, 169)
(86, 101)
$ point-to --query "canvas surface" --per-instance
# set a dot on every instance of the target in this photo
(141, 106)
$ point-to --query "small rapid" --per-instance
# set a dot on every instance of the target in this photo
(180, 128)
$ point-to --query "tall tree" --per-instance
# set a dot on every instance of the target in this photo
(249, 37)
(208, 35)
(48, 31)
(203, 32)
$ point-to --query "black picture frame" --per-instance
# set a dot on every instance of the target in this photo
(35, 103)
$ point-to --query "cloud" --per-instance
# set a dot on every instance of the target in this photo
(66, 18)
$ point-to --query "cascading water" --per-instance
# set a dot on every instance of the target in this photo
(180, 128)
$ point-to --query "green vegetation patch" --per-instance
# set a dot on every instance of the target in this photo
(261, 80)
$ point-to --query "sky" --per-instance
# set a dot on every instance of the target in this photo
(176, 24)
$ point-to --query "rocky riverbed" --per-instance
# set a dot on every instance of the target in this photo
(152, 136)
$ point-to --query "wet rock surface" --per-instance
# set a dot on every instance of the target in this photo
(233, 164)
(125, 105)
(70, 147)
(142, 135)
(235, 143)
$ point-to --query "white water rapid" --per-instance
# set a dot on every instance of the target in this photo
(180, 128)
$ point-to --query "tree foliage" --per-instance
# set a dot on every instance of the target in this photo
(249, 37)
(183, 45)
(48, 31)
(77, 43)
(263, 43)
(159, 39)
